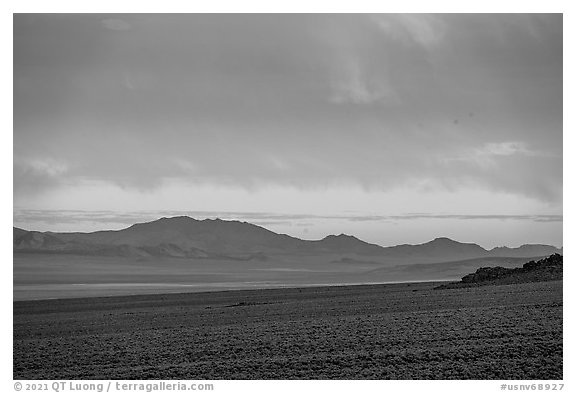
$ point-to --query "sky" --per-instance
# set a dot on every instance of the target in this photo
(395, 128)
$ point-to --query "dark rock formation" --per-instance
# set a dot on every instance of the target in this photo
(546, 269)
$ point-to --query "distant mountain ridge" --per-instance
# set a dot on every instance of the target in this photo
(526, 250)
(186, 237)
(439, 247)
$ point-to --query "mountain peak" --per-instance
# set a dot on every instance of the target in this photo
(443, 239)
(164, 221)
(341, 236)
(443, 247)
(177, 218)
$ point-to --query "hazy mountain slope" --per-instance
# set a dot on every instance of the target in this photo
(18, 233)
(218, 237)
(346, 244)
(441, 247)
(35, 240)
(185, 237)
(526, 250)
(211, 236)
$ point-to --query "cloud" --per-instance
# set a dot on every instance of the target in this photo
(47, 166)
(490, 154)
(504, 149)
(38, 174)
(425, 30)
(351, 84)
(282, 100)
(128, 82)
(116, 24)
(514, 217)
(31, 217)
(508, 167)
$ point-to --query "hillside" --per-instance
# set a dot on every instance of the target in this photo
(547, 269)
(442, 247)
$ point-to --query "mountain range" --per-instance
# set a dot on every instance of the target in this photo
(186, 237)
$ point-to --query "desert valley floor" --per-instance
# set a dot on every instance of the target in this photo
(44, 276)
(396, 331)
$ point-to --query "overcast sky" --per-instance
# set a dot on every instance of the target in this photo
(393, 128)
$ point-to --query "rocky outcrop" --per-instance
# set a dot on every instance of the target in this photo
(546, 269)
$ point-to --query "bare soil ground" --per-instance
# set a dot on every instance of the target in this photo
(400, 331)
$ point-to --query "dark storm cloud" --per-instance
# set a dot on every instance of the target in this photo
(376, 101)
